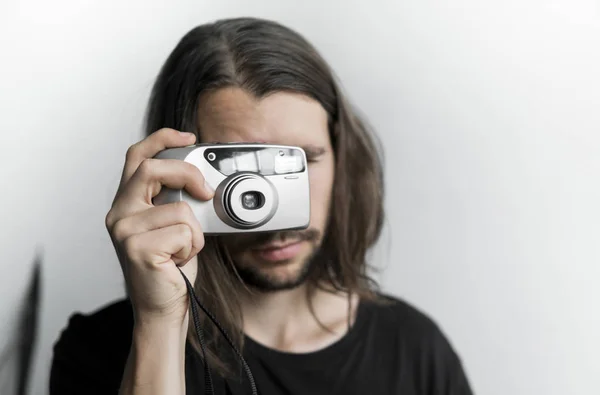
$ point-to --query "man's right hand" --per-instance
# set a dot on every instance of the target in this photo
(152, 241)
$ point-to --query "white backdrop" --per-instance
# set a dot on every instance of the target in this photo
(489, 112)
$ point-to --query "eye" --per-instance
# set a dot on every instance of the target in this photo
(313, 154)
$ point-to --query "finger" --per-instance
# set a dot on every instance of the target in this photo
(151, 176)
(160, 217)
(152, 145)
(159, 247)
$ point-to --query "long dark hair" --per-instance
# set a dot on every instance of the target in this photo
(263, 57)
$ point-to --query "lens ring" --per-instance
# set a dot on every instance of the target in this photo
(230, 208)
(227, 198)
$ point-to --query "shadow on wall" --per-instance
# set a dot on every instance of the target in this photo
(15, 360)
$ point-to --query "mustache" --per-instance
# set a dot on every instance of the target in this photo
(256, 240)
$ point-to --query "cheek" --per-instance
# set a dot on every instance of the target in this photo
(321, 183)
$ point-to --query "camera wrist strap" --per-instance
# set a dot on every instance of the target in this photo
(194, 304)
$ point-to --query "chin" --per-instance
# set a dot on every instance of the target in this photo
(274, 275)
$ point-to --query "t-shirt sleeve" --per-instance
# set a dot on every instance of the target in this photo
(444, 373)
(89, 357)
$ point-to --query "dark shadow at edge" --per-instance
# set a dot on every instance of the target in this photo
(25, 333)
(28, 325)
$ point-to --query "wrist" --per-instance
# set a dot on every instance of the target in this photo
(162, 339)
(168, 325)
(159, 343)
(156, 361)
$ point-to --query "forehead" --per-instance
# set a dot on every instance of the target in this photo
(233, 115)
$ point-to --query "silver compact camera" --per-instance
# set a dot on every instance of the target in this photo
(258, 187)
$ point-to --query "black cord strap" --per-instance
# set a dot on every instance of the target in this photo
(208, 385)
(209, 389)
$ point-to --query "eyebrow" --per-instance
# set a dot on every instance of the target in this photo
(313, 151)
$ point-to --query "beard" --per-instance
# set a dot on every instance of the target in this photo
(262, 279)
(265, 282)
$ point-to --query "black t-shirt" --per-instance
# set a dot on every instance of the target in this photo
(391, 349)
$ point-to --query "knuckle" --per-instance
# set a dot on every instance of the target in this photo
(131, 246)
(109, 220)
(185, 231)
(182, 209)
(193, 170)
(119, 231)
(193, 174)
(200, 242)
(147, 166)
(131, 153)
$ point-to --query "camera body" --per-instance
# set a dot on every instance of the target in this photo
(258, 187)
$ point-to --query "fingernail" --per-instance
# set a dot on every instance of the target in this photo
(208, 187)
(187, 134)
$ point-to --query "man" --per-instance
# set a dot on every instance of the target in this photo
(300, 304)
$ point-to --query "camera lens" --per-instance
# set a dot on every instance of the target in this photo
(252, 200)
(211, 156)
(246, 200)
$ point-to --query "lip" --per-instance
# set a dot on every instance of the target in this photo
(275, 246)
(281, 252)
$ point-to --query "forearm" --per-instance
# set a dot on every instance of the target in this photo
(156, 363)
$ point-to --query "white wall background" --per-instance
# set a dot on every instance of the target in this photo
(490, 115)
